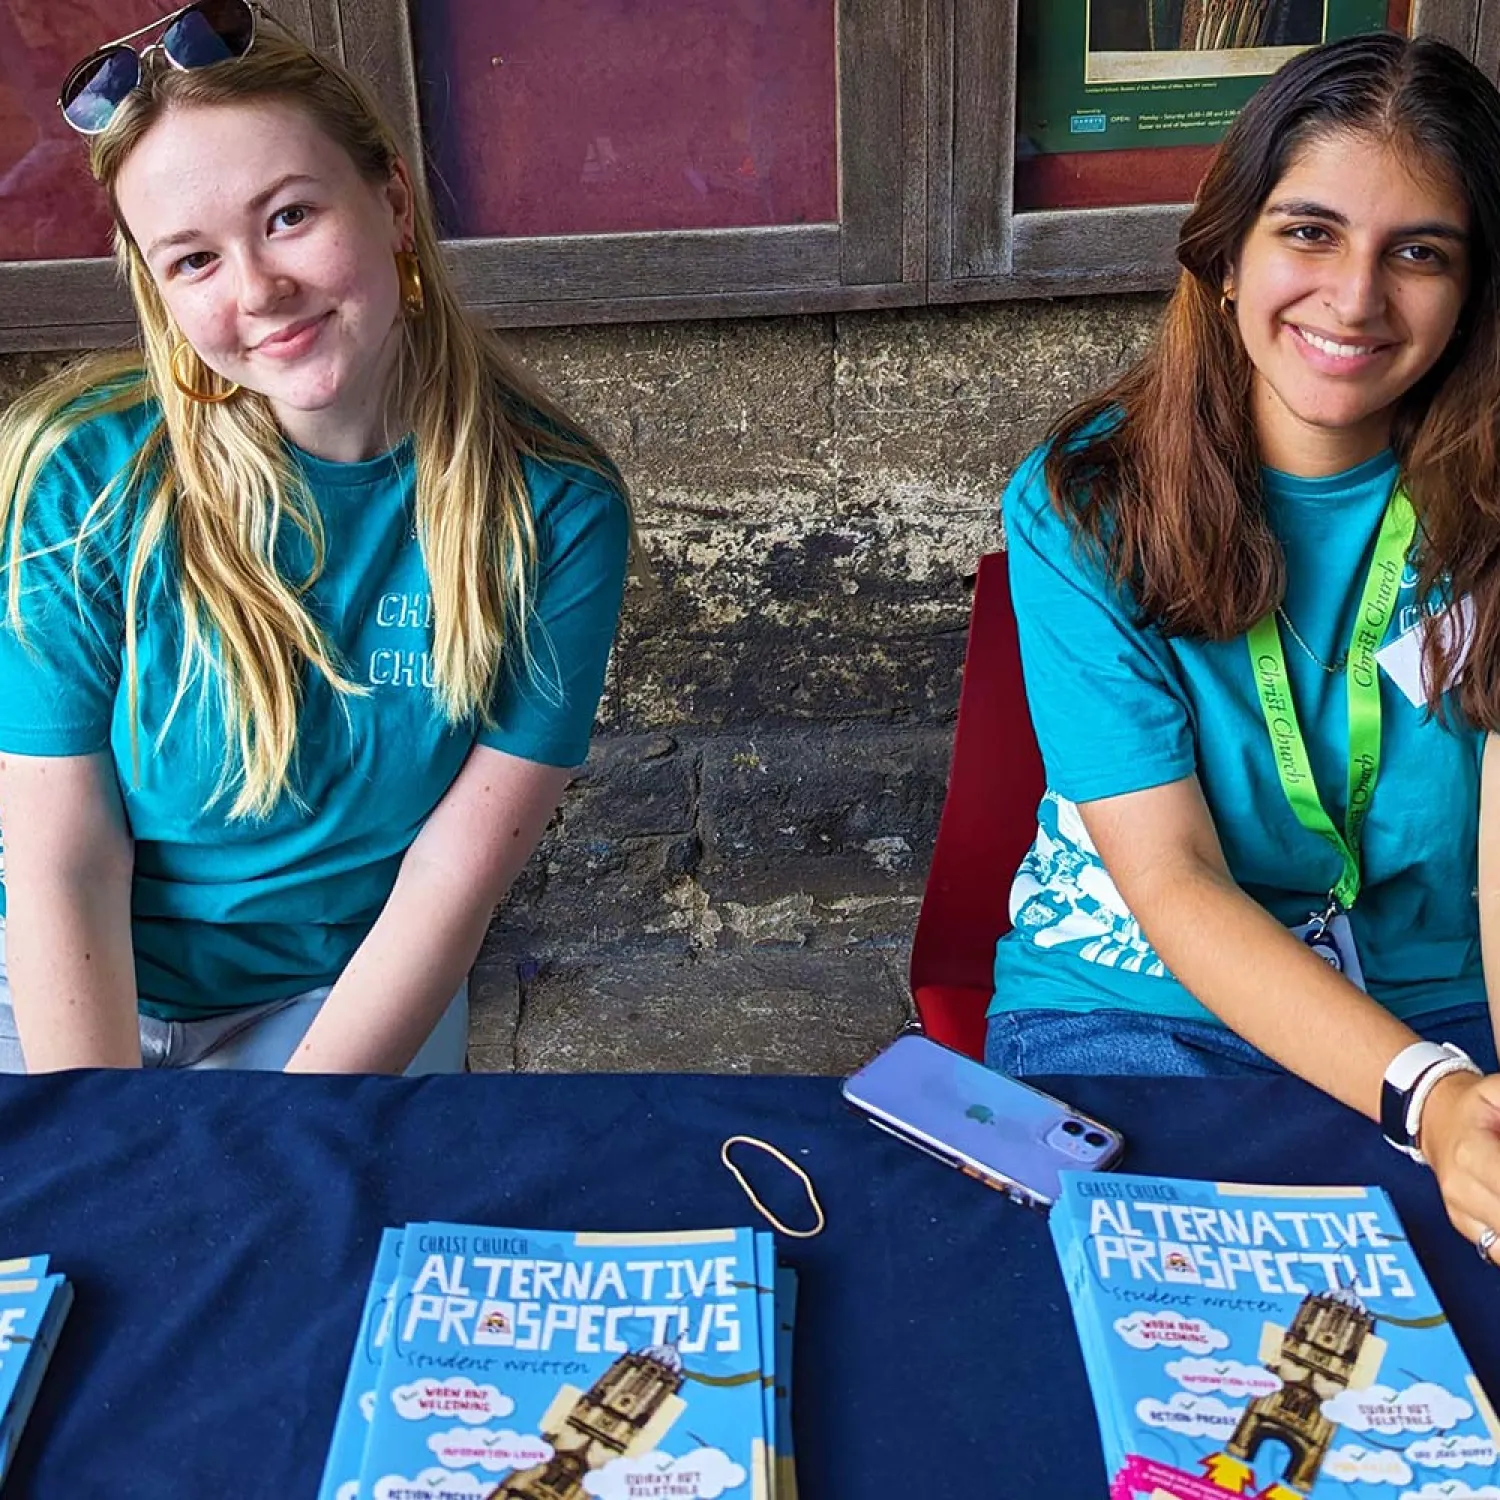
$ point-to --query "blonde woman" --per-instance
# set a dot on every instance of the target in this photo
(307, 606)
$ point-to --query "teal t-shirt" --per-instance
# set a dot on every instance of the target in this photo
(1119, 707)
(231, 913)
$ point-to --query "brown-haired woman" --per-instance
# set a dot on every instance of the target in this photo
(1258, 588)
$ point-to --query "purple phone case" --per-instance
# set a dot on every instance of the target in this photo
(1002, 1131)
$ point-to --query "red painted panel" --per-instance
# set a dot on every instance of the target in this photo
(50, 207)
(601, 116)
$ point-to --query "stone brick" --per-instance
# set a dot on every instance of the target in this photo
(784, 804)
(598, 905)
(804, 670)
(717, 419)
(801, 623)
(739, 1013)
(631, 787)
(494, 1015)
(808, 837)
(940, 405)
(19, 372)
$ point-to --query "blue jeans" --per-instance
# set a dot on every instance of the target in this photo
(1090, 1042)
(258, 1036)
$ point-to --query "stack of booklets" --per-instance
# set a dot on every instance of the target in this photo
(33, 1305)
(520, 1364)
(1274, 1342)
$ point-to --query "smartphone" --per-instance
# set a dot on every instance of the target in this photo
(1007, 1134)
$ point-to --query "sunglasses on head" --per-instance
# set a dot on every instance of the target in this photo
(197, 36)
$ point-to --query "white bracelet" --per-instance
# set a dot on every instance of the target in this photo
(1458, 1062)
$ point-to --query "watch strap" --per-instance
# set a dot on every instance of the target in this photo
(1461, 1062)
(1401, 1078)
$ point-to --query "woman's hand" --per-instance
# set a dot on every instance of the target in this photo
(1460, 1137)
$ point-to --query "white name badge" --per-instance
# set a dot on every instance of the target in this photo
(1334, 944)
(1402, 658)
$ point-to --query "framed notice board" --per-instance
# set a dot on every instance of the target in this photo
(1071, 134)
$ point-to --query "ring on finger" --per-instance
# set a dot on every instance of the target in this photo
(1486, 1242)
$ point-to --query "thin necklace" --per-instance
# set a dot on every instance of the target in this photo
(1332, 668)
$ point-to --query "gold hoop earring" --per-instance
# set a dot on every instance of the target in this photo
(204, 398)
(1226, 305)
(409, 278)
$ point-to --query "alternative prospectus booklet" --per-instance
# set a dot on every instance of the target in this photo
(1273, 1342)
(33, 1304)
(511, 1364)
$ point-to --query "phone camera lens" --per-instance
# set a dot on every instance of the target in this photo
(1072, 1127)
(1093, 1138)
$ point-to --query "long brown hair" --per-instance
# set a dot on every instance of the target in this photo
(1161, 471)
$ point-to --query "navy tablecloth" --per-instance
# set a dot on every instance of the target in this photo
(219, 1229)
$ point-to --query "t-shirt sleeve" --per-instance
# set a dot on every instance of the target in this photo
(544, 707)
(58, 679)
(1109, 714)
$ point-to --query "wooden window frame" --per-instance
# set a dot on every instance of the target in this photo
(927, 159)
(874, 256)
(980, 248)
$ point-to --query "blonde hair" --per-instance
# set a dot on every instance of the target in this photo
(229, 485)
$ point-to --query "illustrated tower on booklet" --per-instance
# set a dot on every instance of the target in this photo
(549, 1365)
(626, 1411)
(1330, 1347)
(1236, 1334)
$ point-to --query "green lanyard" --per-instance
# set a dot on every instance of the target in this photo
(1376, 606)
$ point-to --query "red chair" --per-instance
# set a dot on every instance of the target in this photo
(988, 823)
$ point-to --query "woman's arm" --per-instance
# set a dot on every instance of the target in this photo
(1461, 1121)
(457, 870)
(68, 953)
(1489, 875)
(1161, 849)
(487, 824)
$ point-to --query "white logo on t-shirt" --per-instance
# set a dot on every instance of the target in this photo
(1063, 897)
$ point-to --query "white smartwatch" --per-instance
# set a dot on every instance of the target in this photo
(1409, 1080)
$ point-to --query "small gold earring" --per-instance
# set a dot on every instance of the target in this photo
(1226, 305)
(409, 277)
(204, 398)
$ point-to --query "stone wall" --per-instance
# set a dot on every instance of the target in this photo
(812, 495)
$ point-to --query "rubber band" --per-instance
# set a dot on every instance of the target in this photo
(791, 1166)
